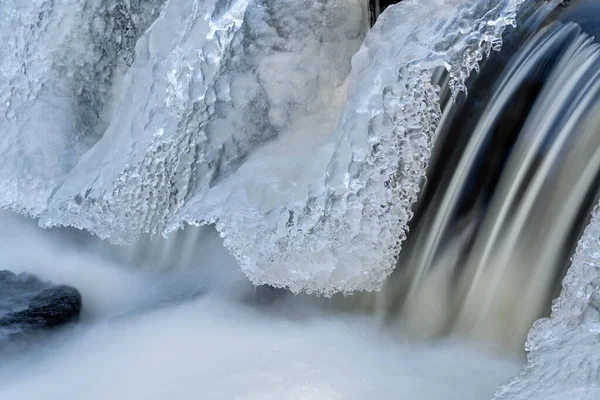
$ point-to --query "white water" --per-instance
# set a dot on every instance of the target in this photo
(218, 345)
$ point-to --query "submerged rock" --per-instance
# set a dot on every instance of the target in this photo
(30, 305)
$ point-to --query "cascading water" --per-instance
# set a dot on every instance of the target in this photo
(509, 191)
(301, 135)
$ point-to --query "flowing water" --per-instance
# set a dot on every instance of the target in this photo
(510, 190)
(206, 333)
(511, 182)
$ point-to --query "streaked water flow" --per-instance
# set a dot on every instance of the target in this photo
(501, 215)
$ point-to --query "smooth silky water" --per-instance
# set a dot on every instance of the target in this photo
(200, 330)
(510, 186)
(509, 189)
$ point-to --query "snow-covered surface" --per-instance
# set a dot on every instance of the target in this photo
(303, 139)
(564, 350)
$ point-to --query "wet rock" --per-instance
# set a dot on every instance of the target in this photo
(30, 305)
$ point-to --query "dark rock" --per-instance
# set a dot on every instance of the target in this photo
(30, 305)
(376, 7)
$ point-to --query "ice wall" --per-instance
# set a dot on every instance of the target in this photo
(303, 139)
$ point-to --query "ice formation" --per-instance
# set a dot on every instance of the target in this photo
(564, 357)
(60, 64)
(300, 134)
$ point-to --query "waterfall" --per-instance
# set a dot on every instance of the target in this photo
(491, 237)
(427, 165)
(510, 192)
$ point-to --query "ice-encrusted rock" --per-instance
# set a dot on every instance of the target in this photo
(252, 115)
(564, 350)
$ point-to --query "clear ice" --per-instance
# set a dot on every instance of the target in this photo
(61, 63)
(299, 132)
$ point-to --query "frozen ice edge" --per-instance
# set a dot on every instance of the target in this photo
(338, 229)
(564, 350)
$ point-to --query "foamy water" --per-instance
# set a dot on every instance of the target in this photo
(218, 344)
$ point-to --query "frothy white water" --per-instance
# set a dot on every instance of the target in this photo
(219, 345)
